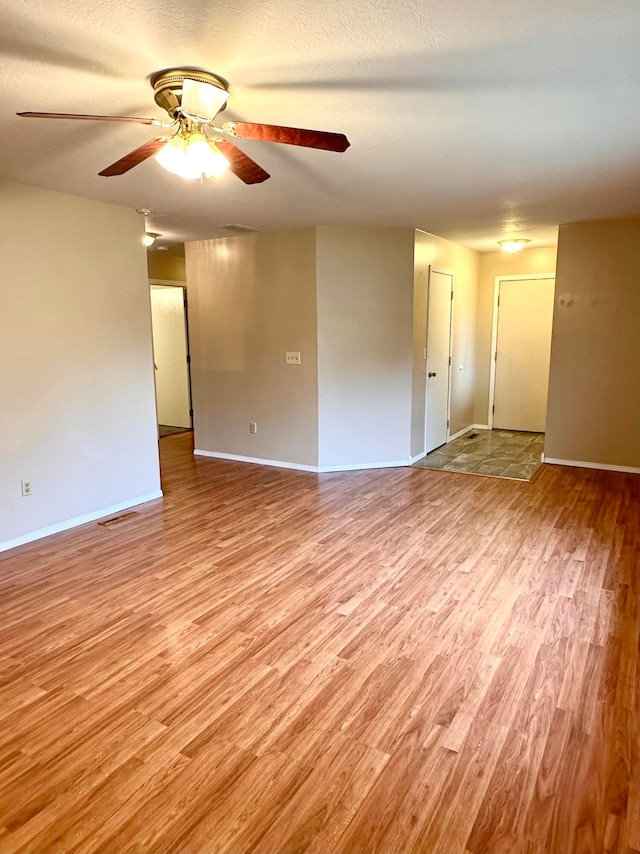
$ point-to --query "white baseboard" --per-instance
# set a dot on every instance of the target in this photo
(238, 458)
(299, 466)
(78, 520)
(466, 430)
(454, 436)
(417, 457)
(583, 465)
(390, 464)
(460, 433)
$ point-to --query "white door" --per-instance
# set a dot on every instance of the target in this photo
(525, 314)
(170, 356)
(438, 351)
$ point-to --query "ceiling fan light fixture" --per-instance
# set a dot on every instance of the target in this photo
(202, 101)
(513, 245)
(193, 97)
(192, 156)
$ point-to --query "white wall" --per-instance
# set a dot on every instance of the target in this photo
(365, 304)
(593, 413)
(251, 299)
(76, 371)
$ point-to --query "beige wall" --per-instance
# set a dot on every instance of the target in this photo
(365, 296)
(251, 299)
(170, 268)
(593, 413)
(76, 370)
(492, 264)
(435, 251)
(340, 296)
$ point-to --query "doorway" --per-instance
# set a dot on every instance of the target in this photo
(171, 357)
(521, 350)
(438, 351)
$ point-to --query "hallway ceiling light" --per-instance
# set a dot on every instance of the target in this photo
(149, 238)
(513, 245)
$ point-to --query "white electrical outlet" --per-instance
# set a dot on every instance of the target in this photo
(293, 359)
(26, 487)
(253, 427)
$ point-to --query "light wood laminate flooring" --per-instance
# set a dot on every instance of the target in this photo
(380, 661)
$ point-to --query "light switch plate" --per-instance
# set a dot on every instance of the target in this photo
(293, 359)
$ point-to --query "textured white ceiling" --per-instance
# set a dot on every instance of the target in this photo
(471, 119)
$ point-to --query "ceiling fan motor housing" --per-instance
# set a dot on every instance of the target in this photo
(167, 86)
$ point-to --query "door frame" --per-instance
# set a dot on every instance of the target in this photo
(446, 271)
(172, 283)
(494, 332)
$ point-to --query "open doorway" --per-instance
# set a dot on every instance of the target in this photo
(171, 357)
(510, 442)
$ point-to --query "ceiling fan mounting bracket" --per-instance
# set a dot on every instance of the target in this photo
(167, 86)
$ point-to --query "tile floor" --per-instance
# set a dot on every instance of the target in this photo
(500, 453)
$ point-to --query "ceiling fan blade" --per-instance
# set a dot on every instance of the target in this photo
(134, 158)
(202, 100)
(134, 119)
(240, 164)
(289, 136)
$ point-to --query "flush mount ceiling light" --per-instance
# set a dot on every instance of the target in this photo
(513, 245)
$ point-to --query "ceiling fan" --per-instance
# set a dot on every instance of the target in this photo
(193, 98)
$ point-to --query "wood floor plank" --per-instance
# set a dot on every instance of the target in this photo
(397, 661)
(387, 820)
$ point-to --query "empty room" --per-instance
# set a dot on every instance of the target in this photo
(320, 428)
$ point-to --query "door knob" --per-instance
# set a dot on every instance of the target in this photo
(432, 373)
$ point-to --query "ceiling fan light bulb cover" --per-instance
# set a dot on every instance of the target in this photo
(202, 100)
(205, 157)
(514, 245)
(192, 157)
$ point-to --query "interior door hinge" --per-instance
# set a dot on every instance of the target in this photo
(449, 361)
(191, 412)
(186, 303)
(493, 408)
(188, 359)
(447, 423)
(498, 300)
